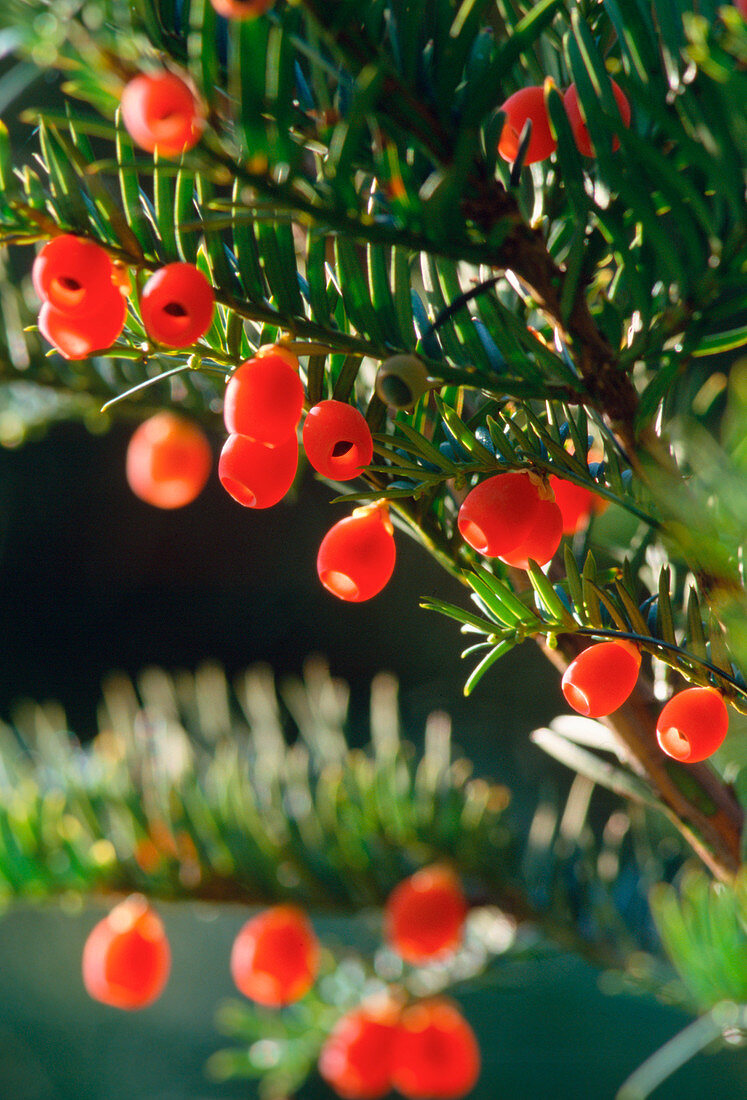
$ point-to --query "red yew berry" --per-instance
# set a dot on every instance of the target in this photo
(168, 461)
(574, 110)
(425, 914)
(527, 103)
(356, 1059)
(497, 515)
(741, 6)
(177, 305)
(126, 958)
(78, 337)
(337, 440)
(275, 956)
(356, 557)
(601, 678)
(161, 113)
(74, 275)
(543, 538)
(264, 397)
(576, 503)
(436, 1056)
(241, 9)
(255, 474)
(693, 724)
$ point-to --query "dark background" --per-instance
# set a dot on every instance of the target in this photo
(91, 580)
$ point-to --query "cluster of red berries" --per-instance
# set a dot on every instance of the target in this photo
(262, 408)
(691, 726)
(528, 104)
(424, 1049)
(83, 295)
(84, 299)
(513, 517)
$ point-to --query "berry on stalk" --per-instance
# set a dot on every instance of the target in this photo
(693, 724)
(425, 914)
(275, 956)
(241, 9)
(74, 275)
(543, 538)
(497, 515)
(255, 474)
(356, 557)
(77, 337)
(126, 958)
(527, 103)
(574, 110)
(168, 461)
(161, 113)
(601, 678)
(264, 397)
(436, 1056)
(337, 440)
(356, 1059)
(177, 305)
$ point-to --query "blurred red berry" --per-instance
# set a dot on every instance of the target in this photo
(337, 440)
(436, 1056)
(264, 397)
(601, 678)
(74, 275)
(543, 538)
(576, 503)
(498, 514)
(741, 6)
(255, 474)
(356, 557)
(693, 724)
(574, 111)
(527, 103)
(168, 461)
(78, 337)
(425, 914)
(275, 956)
(161, 113)
(241, 9)
(177, 305)
(126, 958)
(356, 1059)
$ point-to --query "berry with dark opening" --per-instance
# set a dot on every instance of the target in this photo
(527, 103)
(356, 1059)
(693, 724)
(241, 9)
(168, 461)
(78, 337)
(264, 397)
(574, 110)
(255, 474)
(425, 914)
(337, 440)
(401, 380)
(497, 515)
(576, 503)
(74, 275)
(543, 538)
(275, 956)
(162, 114)
(126, 958)
(601, 678)
(356, 557)
(177, 305)
(436, 1056)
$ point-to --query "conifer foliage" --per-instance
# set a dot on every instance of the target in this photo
(485, 260)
